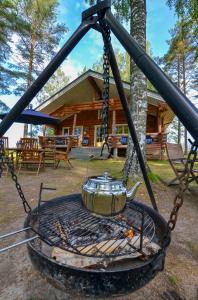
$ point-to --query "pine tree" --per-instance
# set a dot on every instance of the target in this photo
(181, 63)
(37, 40)
(3, 107)
(189, 9)
(8, 21)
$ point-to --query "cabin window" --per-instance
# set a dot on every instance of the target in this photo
(78, 131)
(121, 129)
(65, 131)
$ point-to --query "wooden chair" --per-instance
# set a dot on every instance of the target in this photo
(9, 154)
(179, 164)
(5, 141)
(64, 155)
(30, 156)
(49, 150)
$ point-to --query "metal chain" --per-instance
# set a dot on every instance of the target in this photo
(106, 74)
(178, 202)
(7, 161)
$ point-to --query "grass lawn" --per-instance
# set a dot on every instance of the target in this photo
(162, 170)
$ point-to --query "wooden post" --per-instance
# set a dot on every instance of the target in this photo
(115, 150)
(159, 120)
(74, 124)
(44, 130)
(114, 122)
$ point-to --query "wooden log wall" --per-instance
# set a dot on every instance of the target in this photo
(88, 116)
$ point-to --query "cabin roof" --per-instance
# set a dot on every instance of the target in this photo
(82, 89)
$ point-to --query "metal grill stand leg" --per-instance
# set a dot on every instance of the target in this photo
(131, 126)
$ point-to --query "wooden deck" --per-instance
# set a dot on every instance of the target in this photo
(154, 150)
(155, 147)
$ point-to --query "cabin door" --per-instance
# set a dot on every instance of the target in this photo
(79, 132)
(98, 140)
(65, 131)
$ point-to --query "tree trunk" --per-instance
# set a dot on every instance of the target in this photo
(184, 90)
(138, 103)
(178, 83)
(30, 77)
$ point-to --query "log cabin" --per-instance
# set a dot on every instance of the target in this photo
(78, 106)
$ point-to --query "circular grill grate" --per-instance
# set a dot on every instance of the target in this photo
(70, 226)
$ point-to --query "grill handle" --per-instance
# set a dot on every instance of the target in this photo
(19, 243)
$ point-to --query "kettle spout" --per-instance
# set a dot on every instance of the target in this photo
(131, 193)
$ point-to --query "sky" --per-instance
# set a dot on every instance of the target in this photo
(160, 19)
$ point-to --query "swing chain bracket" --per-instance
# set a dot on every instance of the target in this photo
(5, 160)
(99, 8)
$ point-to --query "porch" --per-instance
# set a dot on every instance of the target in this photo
(155, 145)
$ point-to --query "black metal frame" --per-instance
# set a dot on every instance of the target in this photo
(179, 103)
(71, 227)
(116, 280)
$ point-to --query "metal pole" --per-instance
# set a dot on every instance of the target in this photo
(14, 232)
(45, 75)
(118, 81)
(178, 102)
(19, 243)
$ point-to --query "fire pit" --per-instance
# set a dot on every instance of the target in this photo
(124, 248)
(88, 254)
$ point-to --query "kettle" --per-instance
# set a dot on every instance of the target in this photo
(105, 195)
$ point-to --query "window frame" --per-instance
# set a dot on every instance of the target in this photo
(123, 133)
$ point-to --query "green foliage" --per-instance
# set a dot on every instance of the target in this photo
(187, 10)
(181, 65)
(153, 177)
(123, 63)
(33, 25)
(50, 131)
(3, 107)
(173, 279)
(55, 83)
(8, 20)
(185, 7)
(37, 38)
(122, 8)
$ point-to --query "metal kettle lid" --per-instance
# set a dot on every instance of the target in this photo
(104, 182)
(105, 177)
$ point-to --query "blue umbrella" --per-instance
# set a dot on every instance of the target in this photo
(30, 116)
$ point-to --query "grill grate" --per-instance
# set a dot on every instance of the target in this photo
(70, 226)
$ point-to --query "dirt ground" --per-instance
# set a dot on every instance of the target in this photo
(19, 280)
